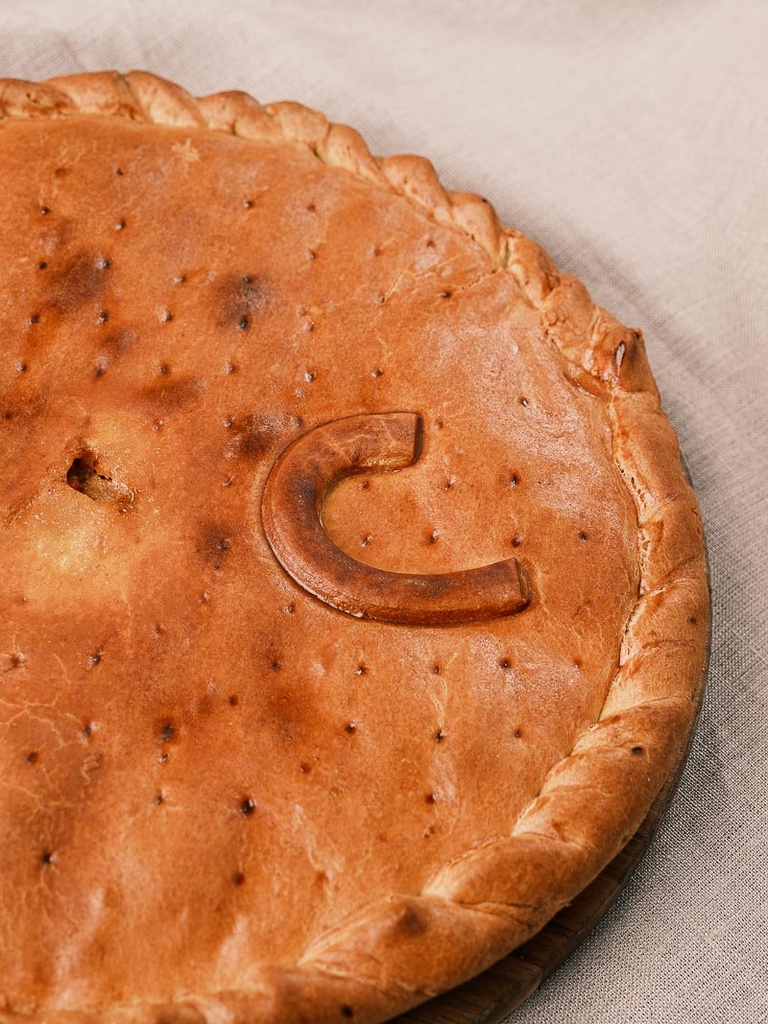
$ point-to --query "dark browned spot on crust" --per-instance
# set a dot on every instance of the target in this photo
(504, 663)
(118, 341)
(33, 757)
(233, 700)
(79, 282)
(693, 620)
(283, 712)
(514, 480)
(238, 878)
(433, 537)
(87, 731)
(516, 542)
(430, 798)
(411, 922)
(518, 734)
(350, 727)
(167, 731)
(247, 807)
(436, 669)
(171, 392)
(120, 226)
(377, 373)
(239, 297)
(305, 768)
(255, 435)
(159, 799)
(95, 659)
(42, 265)
(582, 535)
(215, 544)
(347, 1011)
(304, 490)
(46, 857)
(275, 665)
(361, 670)
(439, 736)
(638, 751)
(524, 402)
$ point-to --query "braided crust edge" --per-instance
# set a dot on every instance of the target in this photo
(489, 900)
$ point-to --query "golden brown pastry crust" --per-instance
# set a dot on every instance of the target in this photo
(398, 948)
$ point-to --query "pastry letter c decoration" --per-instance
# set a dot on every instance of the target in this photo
(292, 516)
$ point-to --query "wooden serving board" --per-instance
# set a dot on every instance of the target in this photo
(491, 996)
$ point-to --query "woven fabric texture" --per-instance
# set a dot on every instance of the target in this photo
(631, 140)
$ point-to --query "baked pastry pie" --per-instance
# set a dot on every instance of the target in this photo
(352, 597)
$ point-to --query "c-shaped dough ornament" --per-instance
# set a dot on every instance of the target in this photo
(292, 508)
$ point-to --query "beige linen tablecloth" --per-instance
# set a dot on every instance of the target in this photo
(631, 139)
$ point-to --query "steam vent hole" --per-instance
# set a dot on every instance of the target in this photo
(82, 476)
